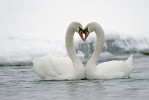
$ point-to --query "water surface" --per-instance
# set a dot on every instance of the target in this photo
(22, 83)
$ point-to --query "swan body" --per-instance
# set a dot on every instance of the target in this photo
(52, 67)
(106, 70)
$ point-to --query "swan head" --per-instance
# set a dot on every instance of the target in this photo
(89, 28)
(77, 27)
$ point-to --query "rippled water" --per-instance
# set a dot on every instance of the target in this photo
(21, 83)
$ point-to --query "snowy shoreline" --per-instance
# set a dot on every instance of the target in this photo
(21, 50)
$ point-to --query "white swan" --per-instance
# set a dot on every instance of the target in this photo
(62, 68)
(107, 70)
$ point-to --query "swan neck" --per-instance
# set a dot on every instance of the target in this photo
(70, 45)
(99, 44)
(78, 68)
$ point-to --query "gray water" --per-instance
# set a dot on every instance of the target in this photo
(21, 83)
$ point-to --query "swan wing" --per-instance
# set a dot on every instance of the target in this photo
(61, 65)
(52, 66)
(114, 69)
(110, 65)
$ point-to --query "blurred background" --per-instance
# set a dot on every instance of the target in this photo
(33, 28)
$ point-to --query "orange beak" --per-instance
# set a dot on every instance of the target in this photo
(81, 35)
(86, 35)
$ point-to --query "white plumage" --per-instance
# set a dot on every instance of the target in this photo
(51, 67)
(106, 70)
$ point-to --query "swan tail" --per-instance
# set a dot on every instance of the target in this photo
(130, 59)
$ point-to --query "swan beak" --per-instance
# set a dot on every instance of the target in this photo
(81, 35)
(86, 35)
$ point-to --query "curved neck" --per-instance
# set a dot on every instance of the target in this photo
(70, 46)
(99, 45)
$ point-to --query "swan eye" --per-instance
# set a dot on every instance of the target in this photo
(86, 30)
(80, 29)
